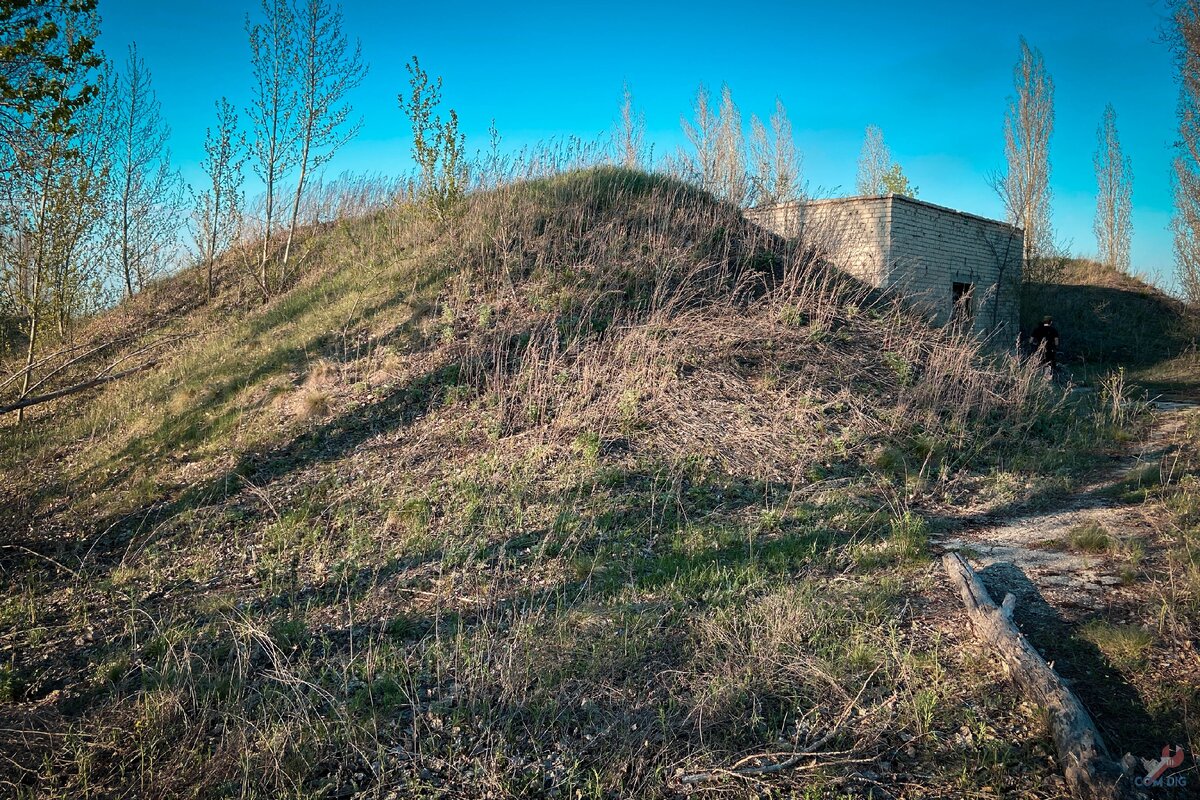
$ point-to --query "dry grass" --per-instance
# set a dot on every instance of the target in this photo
(589, 499)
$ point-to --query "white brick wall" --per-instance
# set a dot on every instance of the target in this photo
(916, 249)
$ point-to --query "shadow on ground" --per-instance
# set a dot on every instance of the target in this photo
(1115, 705)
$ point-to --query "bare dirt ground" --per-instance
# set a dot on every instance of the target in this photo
(1087, 572)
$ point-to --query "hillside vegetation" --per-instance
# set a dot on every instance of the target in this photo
(1110, 319)
(594, 490)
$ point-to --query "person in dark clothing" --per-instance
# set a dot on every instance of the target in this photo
(1045, 342)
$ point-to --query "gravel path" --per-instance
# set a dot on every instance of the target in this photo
(1037, 543)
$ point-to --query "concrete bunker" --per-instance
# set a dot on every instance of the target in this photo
(951, 266)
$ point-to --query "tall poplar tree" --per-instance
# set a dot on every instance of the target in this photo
(1025, 185)
(1114, 195)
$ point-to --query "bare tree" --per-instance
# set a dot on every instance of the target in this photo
(328, 69)
(762, 164)
(1025, 185)
(874, 161)
(218, 209)
(732, 183)
(700, 165)
(1114, 197)
(1185, 40)
(147, 191)
(272, 113)
(631, 133)
(776, 166)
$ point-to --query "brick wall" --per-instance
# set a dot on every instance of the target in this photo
(851, 232)
(932, 248)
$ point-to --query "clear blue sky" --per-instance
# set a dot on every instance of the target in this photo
(934, 76)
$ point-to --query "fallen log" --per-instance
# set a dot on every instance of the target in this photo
(79, 387)
(1089, 770)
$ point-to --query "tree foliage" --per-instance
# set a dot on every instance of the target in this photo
(896, 182)
(438, 149)
(44, 47)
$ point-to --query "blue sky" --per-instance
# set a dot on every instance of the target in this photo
(934, 76)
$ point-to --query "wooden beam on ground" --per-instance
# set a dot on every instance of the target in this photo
(1089, 770)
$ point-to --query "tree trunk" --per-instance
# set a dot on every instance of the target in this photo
(35, 316)
(287, 248)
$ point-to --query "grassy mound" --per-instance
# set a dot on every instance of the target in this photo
(595, 490)
(1106, 317)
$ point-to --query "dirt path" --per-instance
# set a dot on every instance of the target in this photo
(1073, 578)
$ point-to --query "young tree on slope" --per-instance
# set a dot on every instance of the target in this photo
(630, 135)
(50, 193)
(273, 117)
(218, 210)
(776, 163)
(147, 191)
(700, 166)
(1185, 40)
(438, 148)
(327, 69)
(717, 162)
(732, 183)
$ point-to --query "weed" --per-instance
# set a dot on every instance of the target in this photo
(900, 367)
(910, 536)
(587, 444)
(12, 684)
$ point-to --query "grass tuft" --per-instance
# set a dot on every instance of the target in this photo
(1090, 537)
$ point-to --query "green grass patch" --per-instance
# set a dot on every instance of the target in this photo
(1127, 647)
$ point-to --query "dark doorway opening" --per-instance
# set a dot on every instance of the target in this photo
(963, 310)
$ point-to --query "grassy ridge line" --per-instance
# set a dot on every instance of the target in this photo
(595, 486)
